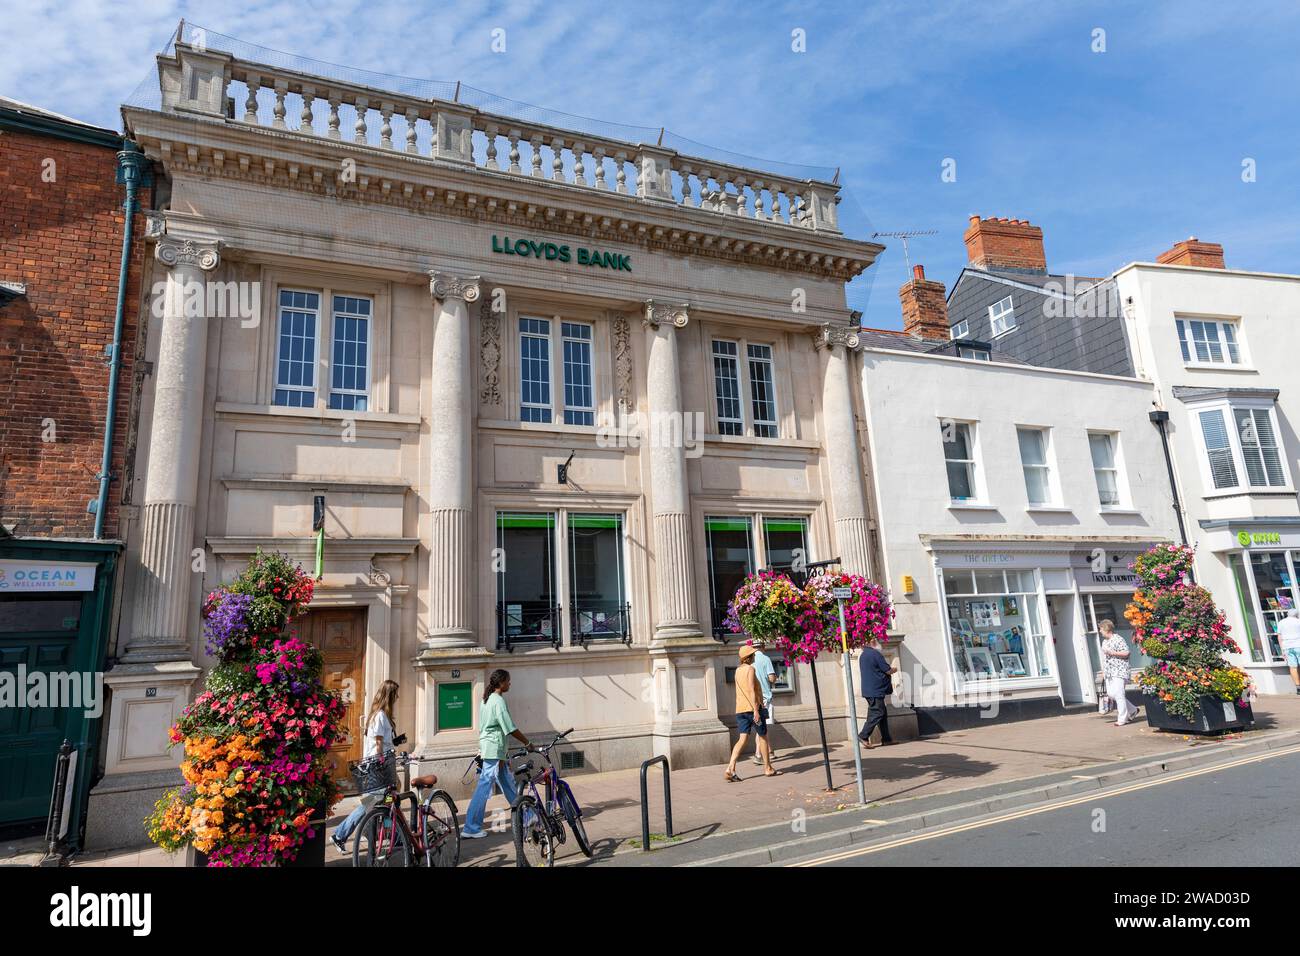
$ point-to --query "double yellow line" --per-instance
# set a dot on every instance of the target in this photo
(1091, 797)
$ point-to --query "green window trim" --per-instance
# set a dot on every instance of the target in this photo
(594, 521)
(726, 524)
(785, 524)
(525, 521)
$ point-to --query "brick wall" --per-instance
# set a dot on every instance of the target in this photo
(925, 310)
(63, 239)
(996, 244)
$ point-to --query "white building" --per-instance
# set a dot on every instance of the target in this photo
(1223, 349)
(555, 392)
(1010, 499)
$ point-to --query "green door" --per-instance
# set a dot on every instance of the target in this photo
(39, 634)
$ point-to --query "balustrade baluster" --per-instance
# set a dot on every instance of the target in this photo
(362, 107)
(620, 161)
(599, 156)
(412, 116)
(687, 198)
(535, 141)
(741, 201)
(278, 111)
(491, 133)
(334, 99)
(513, 136)
(305, 118)
(254, 83)
(557, 160)
(579, 172)
(386, 125)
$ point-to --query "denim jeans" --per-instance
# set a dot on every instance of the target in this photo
(345, 829)
(495, 774)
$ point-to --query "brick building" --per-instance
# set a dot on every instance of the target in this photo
(62, 218)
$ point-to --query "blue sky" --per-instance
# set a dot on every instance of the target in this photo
(1116, 155)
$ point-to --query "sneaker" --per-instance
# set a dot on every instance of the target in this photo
(338, 844)
(467, 835)
(758, 760)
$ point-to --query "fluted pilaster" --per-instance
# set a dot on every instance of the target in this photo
(674, 558)
(451, 491)
(162, 590)
(848, 488)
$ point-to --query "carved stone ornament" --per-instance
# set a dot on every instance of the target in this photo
(832, 335)
(622, 359)
(444, 285)
(657, 313)
(170, 251)
(379, 577)
(490, 354)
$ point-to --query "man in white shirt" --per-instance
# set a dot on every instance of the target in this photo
(1288, 632)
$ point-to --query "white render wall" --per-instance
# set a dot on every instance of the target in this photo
(907, 395)
(1267, 308)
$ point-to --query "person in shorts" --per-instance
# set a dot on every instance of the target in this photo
(751, 716)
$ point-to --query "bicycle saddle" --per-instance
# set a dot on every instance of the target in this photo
(428, 780)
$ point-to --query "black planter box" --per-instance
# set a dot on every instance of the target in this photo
(1211, 717)
(311, 853)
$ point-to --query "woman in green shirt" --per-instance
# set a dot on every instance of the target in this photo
(494, 725)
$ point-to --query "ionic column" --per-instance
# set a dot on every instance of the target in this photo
(674, 558)
(161, 608)
(848, 488)
(451, 491)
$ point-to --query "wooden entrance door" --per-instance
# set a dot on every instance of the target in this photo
(340, 633)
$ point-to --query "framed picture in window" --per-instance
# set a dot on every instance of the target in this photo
(1010, 607)
(979, 662)
(1011, 665)
(985, 614)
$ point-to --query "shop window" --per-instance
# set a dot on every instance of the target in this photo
(729, 542)
(1212, 343)
(1002, 316)
(1271, 571)
(1242, 580)
(1104, 468)
(295, 376)
(1033, 460)
(350, 355)
(727, 389)
(527, 609)
(959, 456)
(597, 592)
(995, 625)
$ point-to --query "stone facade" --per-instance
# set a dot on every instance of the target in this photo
(479, 275)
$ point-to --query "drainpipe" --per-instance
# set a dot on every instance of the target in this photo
(131, 165)
(1160, 418)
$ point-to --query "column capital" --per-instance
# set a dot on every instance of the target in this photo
(446, 285)
(658, 312)
(174, 251)
(829, 336)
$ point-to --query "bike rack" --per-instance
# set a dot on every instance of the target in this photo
(645, 808)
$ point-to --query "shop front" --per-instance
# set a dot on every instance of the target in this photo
(1022, 618)
(1261, 556)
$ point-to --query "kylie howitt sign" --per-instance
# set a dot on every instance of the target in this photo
(553, 252)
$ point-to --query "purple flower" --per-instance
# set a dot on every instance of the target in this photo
(227, 621)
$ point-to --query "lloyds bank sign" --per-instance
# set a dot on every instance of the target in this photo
(554, 252)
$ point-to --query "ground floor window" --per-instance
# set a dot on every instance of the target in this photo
(1110, 607)
(995, 623)
(597, 594)
(1241, 578)
(1273, 576)
(732, 555)
(532, 583)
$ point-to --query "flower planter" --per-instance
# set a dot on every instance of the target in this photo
(312, 852)
(1212, 716)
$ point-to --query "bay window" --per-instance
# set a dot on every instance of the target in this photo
(1241, 447)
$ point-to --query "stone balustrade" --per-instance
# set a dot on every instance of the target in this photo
(220, 86)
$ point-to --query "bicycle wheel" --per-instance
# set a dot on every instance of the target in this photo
(379, 841)
(569, 807)
(441, 830)
(533, 843)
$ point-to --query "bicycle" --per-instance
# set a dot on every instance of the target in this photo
(384, 835)
(537, 823)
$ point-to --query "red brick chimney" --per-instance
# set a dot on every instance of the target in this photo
(925, 309)
(995, 244)
(1193, 252)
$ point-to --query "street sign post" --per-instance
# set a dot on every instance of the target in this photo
(841, 595)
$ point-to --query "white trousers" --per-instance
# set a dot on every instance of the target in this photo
(1115, 691)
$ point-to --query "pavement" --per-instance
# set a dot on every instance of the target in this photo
(714, 819)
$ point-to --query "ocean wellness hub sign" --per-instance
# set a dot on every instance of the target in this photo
(555, 252)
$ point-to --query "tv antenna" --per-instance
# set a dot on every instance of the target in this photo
(905, 234)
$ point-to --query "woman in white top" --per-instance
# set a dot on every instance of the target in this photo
(377, 728)
(1116, 670)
